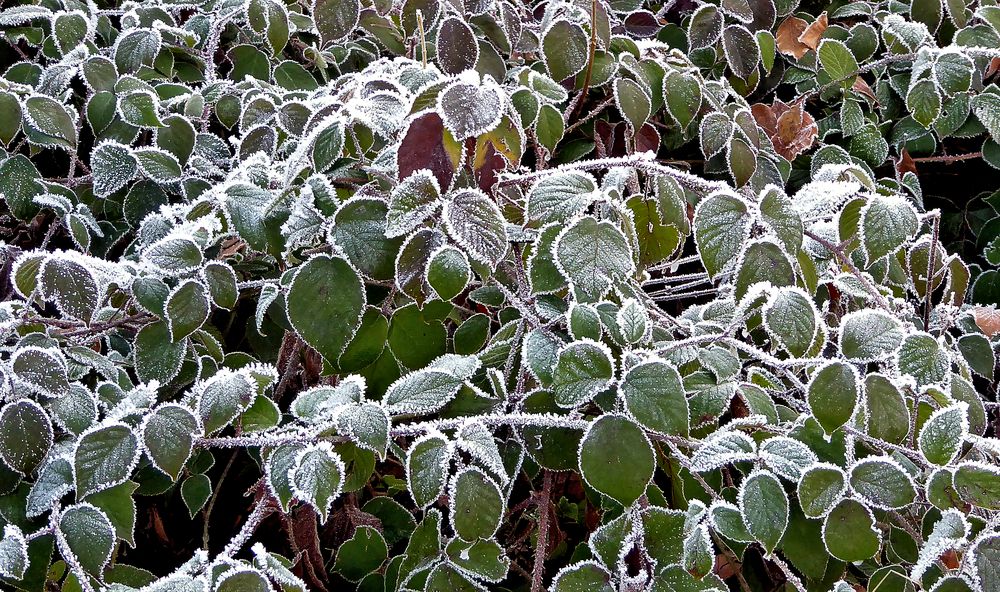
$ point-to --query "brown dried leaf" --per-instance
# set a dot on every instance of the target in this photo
(787, 37)
(810, 37)
(987, 319)
(905, 163)
(861, 87)
(791, 129)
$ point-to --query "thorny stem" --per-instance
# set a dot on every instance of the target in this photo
(215, 494)
(544, 499)
(789, 574)
(260, 511)
(846, 261)
(590, 60)
(931, 256)
(949, 159)
(638, 161)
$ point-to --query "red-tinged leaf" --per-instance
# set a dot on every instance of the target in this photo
(427, 145)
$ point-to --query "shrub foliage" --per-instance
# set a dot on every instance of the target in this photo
(489, 294)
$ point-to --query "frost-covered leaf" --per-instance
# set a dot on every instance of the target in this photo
(43, 370)
(421, 392)
(564, 47)
(833, 395)
(941, 436)
(412, 202)
(791, 317)
(560, 196)
(820, 488)
(849, 531)
(654, 396)
(787, 457)
(883, 482)
(426, 468)
(476, 505)
(325, 303)
(722, 448)
(470, 108)
(593, 255)
(317, 477)
(886, 224)
(923, 358)
(477, 224)
(168, 436)
(721, 227)
(335, 19)
(869, 334)
(89, 536)
(616, 458)
(14, 558)
(582, 369)
(764, 506)
(104, 457)
(367, 425)
(25, 435)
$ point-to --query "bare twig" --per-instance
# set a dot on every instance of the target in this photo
(544, 498)
(838, 250)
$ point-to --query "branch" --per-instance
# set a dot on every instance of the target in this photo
(538, 571)
(640, 162)
(846, 261)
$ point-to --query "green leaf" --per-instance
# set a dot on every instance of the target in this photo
(583, 576)
(359, 229)
(25, 435)
(883, 483)
(477, 224)
(104, 457)
(278, 467)
(833, 395)
(705, 26)
(791, 318)
(924, 102)
(421, 392)
(317, 477)
(654, 396)
(484, 559)
(820, 487)
(448, 272)
(721, 227)
(633, 102)
(888, 415)
(19, 185)
(477, 505)
(241, 579)
(168, 435)
(560, 196)
(411, 202)
(14, 558)
(335, 19)
(838, 61)
(683, 96)
(50, 121)
(849, 532)
(923, 358)
(582, 370)
(978, 484)
(616, 458)
(157, 357)
(89, 536)
(763, 261)
(564, 49)
(593, 255)
(361, 554)
(159, 165)
(942, 435)
(118, 505)
(869, 334)
(186, 309)
(764, 506)
(325, 303)
(886, 224)
(426, 468)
